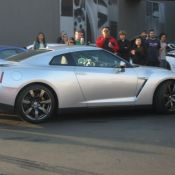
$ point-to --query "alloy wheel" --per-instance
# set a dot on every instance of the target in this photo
(169, 97)
(36, 104)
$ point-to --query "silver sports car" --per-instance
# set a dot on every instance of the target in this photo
(37, 83)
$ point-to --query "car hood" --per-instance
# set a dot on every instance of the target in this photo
(144, 71)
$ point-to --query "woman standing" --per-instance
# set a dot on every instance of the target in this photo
(40, 42)
(138, 52)
(163, 46)
(163, 51)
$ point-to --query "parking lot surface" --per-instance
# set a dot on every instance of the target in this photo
(97, 143)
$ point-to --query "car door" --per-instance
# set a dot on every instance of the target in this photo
(102, 80)
(66, 83)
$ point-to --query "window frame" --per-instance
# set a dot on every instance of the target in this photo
(128, 65)
(68, 56)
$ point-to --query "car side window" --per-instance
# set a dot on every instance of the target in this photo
(62, 60)
(96, 58)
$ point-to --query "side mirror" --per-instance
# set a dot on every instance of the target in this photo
(122, 66)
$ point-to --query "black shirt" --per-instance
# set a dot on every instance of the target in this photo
(124, 48)
(153, 46)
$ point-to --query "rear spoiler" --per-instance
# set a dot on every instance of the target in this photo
(4, 63)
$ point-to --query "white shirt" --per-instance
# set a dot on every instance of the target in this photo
(163, 50)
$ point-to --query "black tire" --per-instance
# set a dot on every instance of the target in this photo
(164, 100)
(36, 104)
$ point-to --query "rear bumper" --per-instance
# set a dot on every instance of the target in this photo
(6, 108)
(7, 98)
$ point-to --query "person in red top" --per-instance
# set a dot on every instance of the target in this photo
(106, 41)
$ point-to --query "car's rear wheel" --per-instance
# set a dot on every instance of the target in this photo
(36, 103)
(164, 100)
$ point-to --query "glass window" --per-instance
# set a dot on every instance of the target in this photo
(19, 51)
(155, 7)
(96, 58)
(7, 53)
(62, 60)
(26, 55)
(67, 7)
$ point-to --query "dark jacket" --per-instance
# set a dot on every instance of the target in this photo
(139, 57)
(37, 45)
(124, 49)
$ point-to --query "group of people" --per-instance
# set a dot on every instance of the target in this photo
(78, 39)
(145, 49)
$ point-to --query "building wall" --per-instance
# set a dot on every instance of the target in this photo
(170, 20)
(21, 20)
(89, 16)
(132, 17)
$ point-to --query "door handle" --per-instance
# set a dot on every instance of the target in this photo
(119, 70)
(80, 73)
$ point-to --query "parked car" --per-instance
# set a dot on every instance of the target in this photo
(170, 58)
(7, 51)
(49, 46)
(37, 83)
(171, 47)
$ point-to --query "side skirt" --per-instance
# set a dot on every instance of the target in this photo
(98, 109)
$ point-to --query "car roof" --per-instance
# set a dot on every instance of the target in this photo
(67, 49)
(34, 56)
(49, 45)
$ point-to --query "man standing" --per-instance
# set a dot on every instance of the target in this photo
(124, 46)
(79, 37)
(106, 41)
(153, 48)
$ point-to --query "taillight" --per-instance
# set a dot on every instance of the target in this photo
(1, 77)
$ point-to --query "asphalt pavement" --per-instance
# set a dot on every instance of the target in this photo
(97, 143)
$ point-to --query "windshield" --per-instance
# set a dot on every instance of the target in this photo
(22, 56)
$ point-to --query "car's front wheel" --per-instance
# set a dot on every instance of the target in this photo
(164, 101)
(36, 103)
